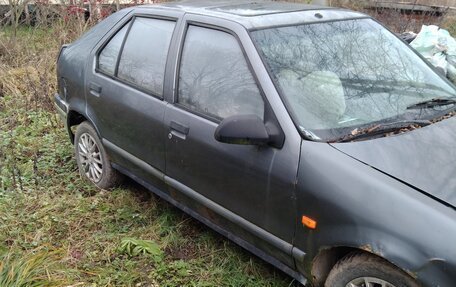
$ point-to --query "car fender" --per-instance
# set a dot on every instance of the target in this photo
(359, 207)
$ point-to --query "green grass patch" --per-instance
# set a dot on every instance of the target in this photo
(57, 230)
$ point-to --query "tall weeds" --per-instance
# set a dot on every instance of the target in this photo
(27, 86)
(30, 270)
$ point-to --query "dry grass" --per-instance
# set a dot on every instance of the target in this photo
(35, 269)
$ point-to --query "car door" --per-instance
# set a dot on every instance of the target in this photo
(125, 91)
(252, 186)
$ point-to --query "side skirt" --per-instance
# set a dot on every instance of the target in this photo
(241, 242)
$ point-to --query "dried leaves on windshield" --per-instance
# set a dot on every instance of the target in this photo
(360, 131)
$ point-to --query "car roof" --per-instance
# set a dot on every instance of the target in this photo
(259, 14)
(240, 8)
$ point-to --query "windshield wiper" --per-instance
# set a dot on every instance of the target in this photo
(383, 128)
(433, 103)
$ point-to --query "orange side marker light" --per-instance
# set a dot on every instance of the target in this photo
(309, 222)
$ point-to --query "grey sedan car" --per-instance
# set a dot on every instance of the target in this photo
(311, 136)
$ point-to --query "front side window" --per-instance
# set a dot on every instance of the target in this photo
(338, 76)
(214, 76)
(108, 57)
(144, 54)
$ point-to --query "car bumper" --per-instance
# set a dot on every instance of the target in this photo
(61, 107)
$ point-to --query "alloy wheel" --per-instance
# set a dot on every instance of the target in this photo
(369, 282)
(90, 157)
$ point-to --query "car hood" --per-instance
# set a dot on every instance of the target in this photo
(424, 158)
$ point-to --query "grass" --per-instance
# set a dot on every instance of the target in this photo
(450, 24)
(57, 230)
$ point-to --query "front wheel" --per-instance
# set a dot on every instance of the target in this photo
(92, 159)
(366, 270)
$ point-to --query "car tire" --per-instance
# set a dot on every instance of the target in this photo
(357, 268)
(93, 161)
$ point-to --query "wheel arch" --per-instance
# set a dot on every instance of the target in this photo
(327, 258)
(74, 118)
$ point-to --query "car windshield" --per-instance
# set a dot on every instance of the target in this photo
(337, 76)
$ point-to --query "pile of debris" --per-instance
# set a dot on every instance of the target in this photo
(437, 46)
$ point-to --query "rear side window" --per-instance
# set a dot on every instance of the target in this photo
(215, 78)
(143, 59)
(108, 57)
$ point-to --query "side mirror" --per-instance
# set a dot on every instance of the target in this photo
(242, 129)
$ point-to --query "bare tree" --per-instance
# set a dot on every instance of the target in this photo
(17, 8)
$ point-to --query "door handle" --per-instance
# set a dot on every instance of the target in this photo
(178, 129)
(95, 89)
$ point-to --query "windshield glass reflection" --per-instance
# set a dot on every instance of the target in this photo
(337, 76)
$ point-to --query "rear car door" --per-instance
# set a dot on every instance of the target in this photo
(252, 186)
(125, 89)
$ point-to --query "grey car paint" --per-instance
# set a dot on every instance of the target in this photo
(127, 121)
(360, 206)
(356, 191)
(74, 60)
(429, 153)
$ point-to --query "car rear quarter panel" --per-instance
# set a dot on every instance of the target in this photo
(75, 58)
(358, 206)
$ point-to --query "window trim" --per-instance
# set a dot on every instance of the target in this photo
(204, 115)
(130, 22)
(106, 42)
(124, 40)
